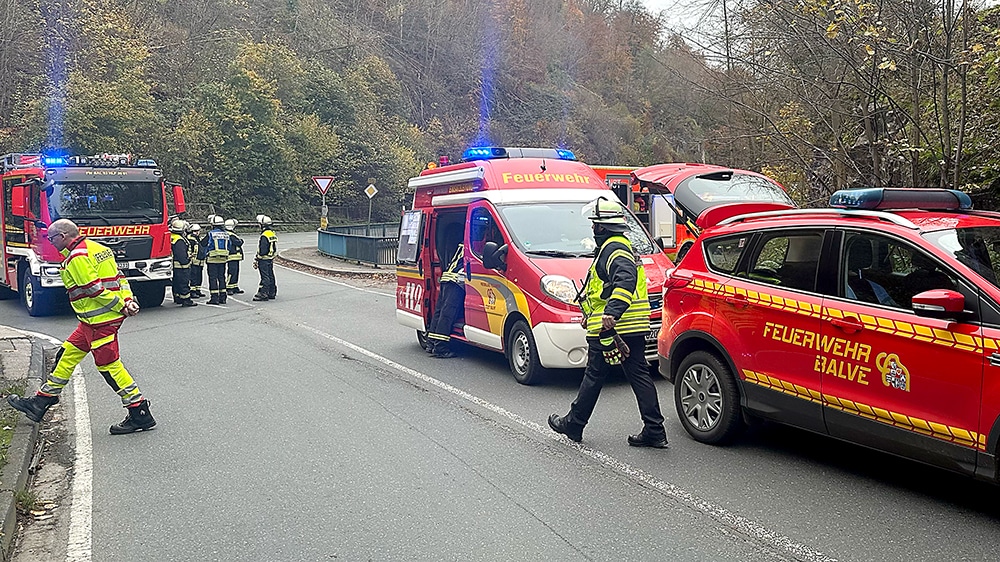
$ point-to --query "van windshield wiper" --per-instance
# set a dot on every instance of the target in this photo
(555, 253)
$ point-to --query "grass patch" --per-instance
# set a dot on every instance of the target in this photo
(26, 500)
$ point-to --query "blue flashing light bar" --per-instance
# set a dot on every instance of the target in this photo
(874, 199)
(495, 152)
(54, 161)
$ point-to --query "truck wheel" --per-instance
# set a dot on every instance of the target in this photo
(149, 295)
(37, 301)
(707, 398)
(522, 354)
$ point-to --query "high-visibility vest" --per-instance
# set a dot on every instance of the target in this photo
(454, 273)
(176, 250)
(596, 295)
(272, 245)
(218, 246)
(97, 290)
(235, 247)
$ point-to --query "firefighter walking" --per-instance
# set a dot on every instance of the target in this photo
(181, 251)
(235, 257)
(197, 254)
(615, 308)
(263, 262)
(216, 244)
(101, 298)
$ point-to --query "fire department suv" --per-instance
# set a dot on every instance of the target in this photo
(527, 245)
(876, 321)
(119, 203)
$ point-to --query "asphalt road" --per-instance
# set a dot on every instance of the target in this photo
(314, 427)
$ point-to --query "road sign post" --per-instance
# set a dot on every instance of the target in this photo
(322, 184)
(370, 191)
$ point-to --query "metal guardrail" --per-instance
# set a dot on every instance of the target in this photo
(374, 244)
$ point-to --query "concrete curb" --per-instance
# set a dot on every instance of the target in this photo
(22, 447)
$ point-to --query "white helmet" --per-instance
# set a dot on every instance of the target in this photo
(177, 225)
(218, 220)
(210, 217)
(263, 220)
(194, 228)
(231, 224)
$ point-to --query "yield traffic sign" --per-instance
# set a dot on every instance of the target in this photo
(323, 183)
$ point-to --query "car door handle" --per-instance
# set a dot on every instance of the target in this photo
(739, 301)
(849, 325)
(995, 360)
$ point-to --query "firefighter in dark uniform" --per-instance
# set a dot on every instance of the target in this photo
(216, 245)
(451, 298)
(182, 264)
(263, 262)
(197, 254)
(235, 257)
(616, 315)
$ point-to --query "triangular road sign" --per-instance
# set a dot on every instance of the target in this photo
(323, 183)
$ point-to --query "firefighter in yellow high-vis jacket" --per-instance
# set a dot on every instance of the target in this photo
(101, 298)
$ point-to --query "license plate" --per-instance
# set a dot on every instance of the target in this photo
(122, 266)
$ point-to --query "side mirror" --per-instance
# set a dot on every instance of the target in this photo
(942, 304)
(495, 257)
(178, 199)
(19, 201)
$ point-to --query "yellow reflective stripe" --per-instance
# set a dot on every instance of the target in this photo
(621, 254)
(98, 343)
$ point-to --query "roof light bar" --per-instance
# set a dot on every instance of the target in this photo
(495, 152)
(901, 198)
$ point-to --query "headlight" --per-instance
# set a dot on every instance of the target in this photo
(160, 265)
(560, 288)
(50, 271)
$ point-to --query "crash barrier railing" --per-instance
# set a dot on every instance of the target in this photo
(374, 244)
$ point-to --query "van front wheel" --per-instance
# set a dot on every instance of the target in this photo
(522, 353)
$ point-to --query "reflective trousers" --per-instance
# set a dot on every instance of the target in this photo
(450, 302)
(233, 274)
(181, 286)
(197, 275)
(102, 342)
(268, 287)
(636, 372)
(217, 280)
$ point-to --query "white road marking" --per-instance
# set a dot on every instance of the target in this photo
(79, 545)
(752, 529)
(342, 284)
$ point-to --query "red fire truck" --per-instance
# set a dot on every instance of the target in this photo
(117, 201)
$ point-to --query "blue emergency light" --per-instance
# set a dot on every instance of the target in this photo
(54, 161)
(881, 198)
(494, 152)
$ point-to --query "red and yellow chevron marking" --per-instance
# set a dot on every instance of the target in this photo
(963, 342)
(944, 432)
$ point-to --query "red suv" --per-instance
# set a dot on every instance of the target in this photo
(876, 321)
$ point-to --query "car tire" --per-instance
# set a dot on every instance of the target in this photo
(707, 398)
(149, 294)
(425, 344)
(683, 250)
(522, 354)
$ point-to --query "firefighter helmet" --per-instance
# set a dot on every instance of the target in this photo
(263, 220)
(177, 225)
(194, 228)
(217, 220)
(607, 213)
(231, 224)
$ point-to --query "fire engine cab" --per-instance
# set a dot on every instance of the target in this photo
(520, 214)
(114, 200)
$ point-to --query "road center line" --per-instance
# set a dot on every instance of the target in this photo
(79, 544)
(752, 529)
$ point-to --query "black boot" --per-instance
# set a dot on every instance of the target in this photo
(562, 425)
(188, 302)
(138, 419)
(214, 299)
(259, 297)
(34, 407)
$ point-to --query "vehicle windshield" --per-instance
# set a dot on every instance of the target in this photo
(978, 248)
(562, 230)
(106, 202)
(711, 190)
